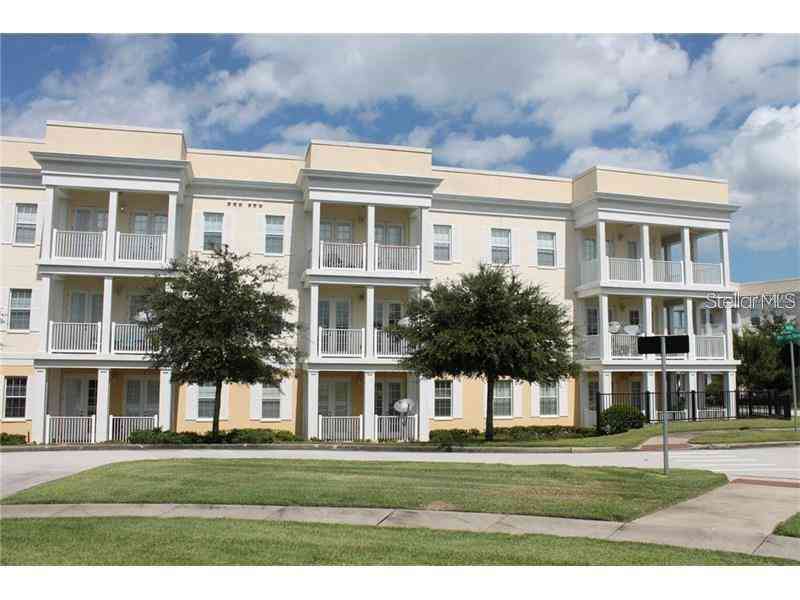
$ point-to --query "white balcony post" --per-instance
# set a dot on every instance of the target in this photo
(648, 315)
(38, 409)
(724, 252)
(605, 338)
(315, 241)
(730, 387)
(370, 321)
(604, 381)
(103, 395)
(105, 328)
(650, 386)
(647, 265)
(690, 327)
(165, 399)
(600, 229)
(664, 320)
(312, 404)
(687, 255)
(48, 210)
(369, 405)
(371, 260)
(425, 243)
(692, 381)
(168, 253)
(728, 334)
(111, 231)
(707, 321)
(425, 410)
(313, 321)
(44, 307)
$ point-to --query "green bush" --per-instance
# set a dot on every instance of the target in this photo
(232, 436)
(519, 433)
(619, 419)
(12, 439)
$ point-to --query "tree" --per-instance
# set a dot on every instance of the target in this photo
(488, 324)
(764, 362)
(221, 321)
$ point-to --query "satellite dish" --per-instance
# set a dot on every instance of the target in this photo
(631, 329)
(404, 405)
(404, 322)
(141, 316)
(614, 326)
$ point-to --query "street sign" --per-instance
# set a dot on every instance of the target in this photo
(651, 344)
(789, 334)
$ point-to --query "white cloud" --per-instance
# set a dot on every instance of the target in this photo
(648, 159)
(294, 138)
(467, 151)
(419, 137)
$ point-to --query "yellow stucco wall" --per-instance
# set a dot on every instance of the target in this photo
(506, 185)
(369, 159)
(110, 140)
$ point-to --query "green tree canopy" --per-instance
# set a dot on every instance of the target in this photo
(765, 364)
(491, 325)
(218, 320)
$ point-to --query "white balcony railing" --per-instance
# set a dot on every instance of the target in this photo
(90, 245)
(389, 345)
(119, 428)
(130, 338)
(69, 430)
(625, 269)
(141, 247)
(591, 346)
(590, 271)
(710, 346)
(708, 273)
(342, 255)
(668, 271)
(397, 258)
(341, 429)
(396, 428)
(341, 342)
(74, 337)
(624, 345)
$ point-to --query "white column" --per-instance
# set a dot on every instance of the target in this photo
(315, 214)
(687, 255)
(647, 264)
(48, 210)
(692, 381)
(690, 326)
(600, 233)
(650, 386)
(664, 320)
(44, 308)
(425, 410)
(369, 405)
(111, 230)
(370, 237)
(605, 337)
(370, 325)
(172, 217)
(165, 399)
(426, 244)
(604, 381)
(728, 334)
(38, 409)
(313, 321)
(648, 315)
(724, 252)
(312, 403)
(730, 387)
(103, 394)
(105, 331)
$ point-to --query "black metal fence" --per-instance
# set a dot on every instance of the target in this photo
(700, 406)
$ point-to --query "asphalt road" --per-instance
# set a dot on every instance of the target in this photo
(20, 470)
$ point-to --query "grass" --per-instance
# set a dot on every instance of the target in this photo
(142, 541)
(790, 527)
(604, 493)
(741, 437)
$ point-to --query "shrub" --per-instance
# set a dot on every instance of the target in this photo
(12, 439)
(233, 436)
(519, 433)
(619, 419)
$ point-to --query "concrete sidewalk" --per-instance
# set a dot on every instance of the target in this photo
(739, 517)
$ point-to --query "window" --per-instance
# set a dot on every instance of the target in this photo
(25, 228)
(91, 397)
(212, 233)
(442, 238)
(548, 400)
(443, 398)
(592, 325)
(273, 243)
(546, 249)
(324, 314)
(136, 308)
(85, 307)
(594, 389)
(589, 250)
(205, 401)
(391, 235)
(633, 249)
(633, 317)
(501, 246)
(16, 392)
(149, 224)
(19, 316)
(334, 398)
(91, 219)
(344, 232)
(141, 397)
(503, 398)
(270, 402)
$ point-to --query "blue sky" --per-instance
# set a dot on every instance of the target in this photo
(721, 106)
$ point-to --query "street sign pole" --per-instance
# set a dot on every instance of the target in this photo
(790, 335)
(664, 406)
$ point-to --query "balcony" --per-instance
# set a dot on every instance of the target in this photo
(625, 269)
(75, 337)
(129, 338)
(342, 255)
(91, 245)
(398, 258)
(141, 247)
(341, 342)
(352, 256)
(707, 273)
(86, 245)
(710, 346)
(388, 345)
(624, 346)
(668, 271)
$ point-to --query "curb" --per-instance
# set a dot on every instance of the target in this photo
(734, 446)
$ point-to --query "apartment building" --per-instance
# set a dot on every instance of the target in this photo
(91, 213)
(759, 301)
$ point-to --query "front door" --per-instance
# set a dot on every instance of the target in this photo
(141, 397)
(386, 394)
(335, 399)
(79, 396)
(590, 404)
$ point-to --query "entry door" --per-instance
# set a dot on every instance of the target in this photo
(387, 313)
(386, 394)
(90, 219)
(335, 399)
(590, 404)
(141, 397)
(79, 396)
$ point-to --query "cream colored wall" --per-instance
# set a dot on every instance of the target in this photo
(16, 427)
(661, 186)
(584, 186)
(112, 141)
(17, 152)
(244, 167)
(518, 187)
(365, 159)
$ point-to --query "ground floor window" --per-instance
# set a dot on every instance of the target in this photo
(386, 394)
(205, 401)
(141, 397)
(334, 399)
(443, 398)
(503, 398)
(594, 389)
(270, 402)
(548, 400)
(16, 393)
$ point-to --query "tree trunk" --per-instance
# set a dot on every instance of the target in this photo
(489, 434)
(217, 406)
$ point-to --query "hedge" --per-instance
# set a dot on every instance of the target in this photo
(231, 436)
(517, 433)
(621, 418)
(12, 439)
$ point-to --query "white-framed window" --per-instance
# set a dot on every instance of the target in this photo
(592, 323)
(501, 246)
(16, 393)
(633, 317)
(212, 230)
(85, 307)
(25, 224)
(442, 243)
(593, 389)
(273, 239)
(141, 397)
(334, 398)
(270, 402)
(388, 234)
(546, 248)
(19, 313)
(503, 398)
(443, 398)
(205, 401)
(149, 223)
(91, 219)
(633, 249)
(589, 249)
(548, 400)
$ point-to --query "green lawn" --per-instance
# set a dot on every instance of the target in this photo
(605, 493)
(741, 437)
(115, 541)
(790, 527)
